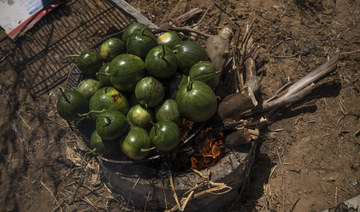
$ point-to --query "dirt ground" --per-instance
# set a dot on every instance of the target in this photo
(308, 158)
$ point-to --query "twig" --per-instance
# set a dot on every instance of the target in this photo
(298, 90)
(219, 186)
(68, 76)
(201, 174)
(132, 188)
(187, 200)
(174, 191)
(351, 52)
(164, 193)
(357, 133)
(182, 18)
(312, 77)
(147, 199)
(51, 193)
(293, 207)
(222, 10)
(191, 191)
(282, 181)
(12, 104)
(236, 65)
(15, 128)
(244, 43)
(336, 195)
(5, 56)
(188, 29)
(251, 82)
(137, 181)
(54, 122)
(90, 203)
(58, 206)
(206, 11)
(285, 56)
(82, 181)
(342, 107)
(279, 92)
(194, 188)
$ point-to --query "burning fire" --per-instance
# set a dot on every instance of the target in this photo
(210, 150)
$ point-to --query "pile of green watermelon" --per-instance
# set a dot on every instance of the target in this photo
(139, 88)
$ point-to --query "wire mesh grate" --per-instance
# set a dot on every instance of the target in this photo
(39, 56)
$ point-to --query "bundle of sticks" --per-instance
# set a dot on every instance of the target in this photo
(242, 103)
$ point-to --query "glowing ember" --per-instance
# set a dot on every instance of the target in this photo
(209, 151)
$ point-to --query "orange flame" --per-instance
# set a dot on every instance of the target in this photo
(209, 152)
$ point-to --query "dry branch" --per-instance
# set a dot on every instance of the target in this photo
(238, 105)
(298, 90)
(251, 82)
(242, 48)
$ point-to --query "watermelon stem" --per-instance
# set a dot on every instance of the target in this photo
(71, 55)
(91, 151)
(91, 111)
(147, 150)
(143, 29)
(189, 85)
(155, 125)
(63, 93)
(163, 54)
(103, 74)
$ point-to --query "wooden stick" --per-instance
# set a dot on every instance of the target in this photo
(314, 76)
(52, 194)
(134, 13)
(251, 81)
(243, 46)
(298, 90)
(90, 203)
(351, 52)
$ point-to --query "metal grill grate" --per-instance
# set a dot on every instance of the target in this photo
(39, 56)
